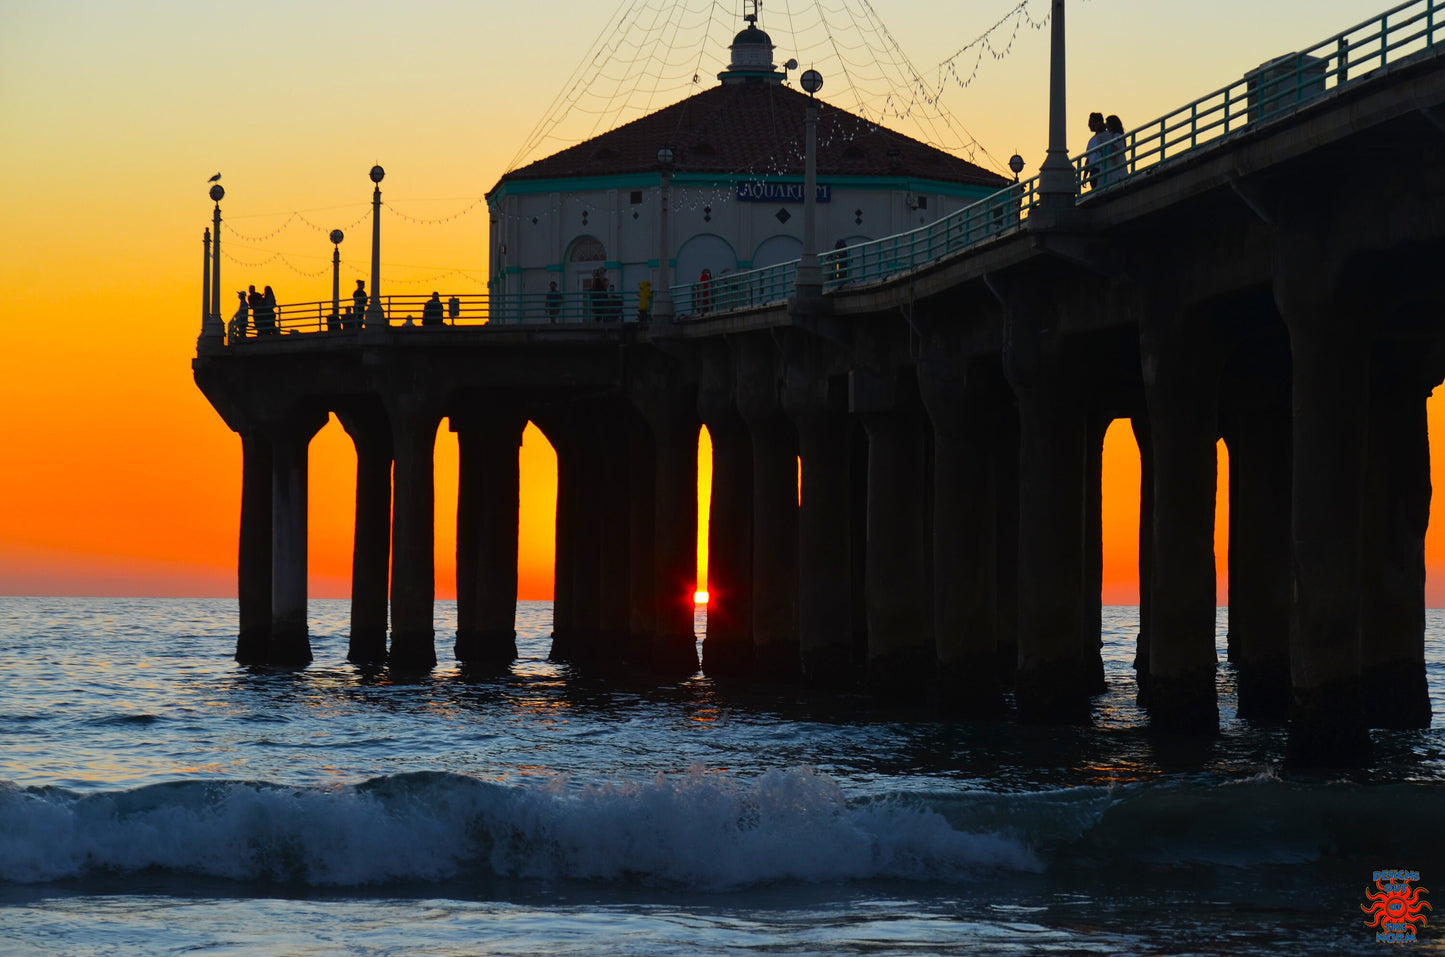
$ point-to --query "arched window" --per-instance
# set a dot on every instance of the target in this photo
(777, 249)
(706, 251)
(586, 256)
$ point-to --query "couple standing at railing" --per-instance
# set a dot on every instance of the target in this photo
(1105, 155)
(261, 308)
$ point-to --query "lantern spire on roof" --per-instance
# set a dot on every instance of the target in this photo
(752, 55)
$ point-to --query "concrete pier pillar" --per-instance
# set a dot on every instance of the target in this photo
(371, 549)
(1397, 510)
(588, 505)
(817, 405)
(642, 517)
(470, 457)
(1143, 438)
(253, 564)
(1053, 686)
(902, 657)
(564, 563)
(965, 541)
(1006, 532)
(1091, 607)
(858, 538)
(674, 643)
(1330, 367)
(776, 653)
(487, 515)
(290, 644)
(667, 402)
(612, 637)
(578, 533)
(1182, 363)
(583, 449)
(727, 650)
(1255, 422)
(413, 566)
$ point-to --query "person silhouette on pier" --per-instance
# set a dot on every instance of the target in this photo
(358, 303)
(268, 307)
(644, 301)
(1112, 150)
(431, 313)
(554, 302)
(1094, 153)
(238, 321)
(704, 292)
(257, 303)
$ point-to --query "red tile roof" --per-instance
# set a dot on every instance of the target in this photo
(757, 128)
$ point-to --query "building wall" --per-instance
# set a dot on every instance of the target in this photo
(539, 229)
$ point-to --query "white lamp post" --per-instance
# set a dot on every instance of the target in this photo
(336, 237)
(217, 194)
(809, 281)
(373, 311)
(1057, 189)
(662, 307)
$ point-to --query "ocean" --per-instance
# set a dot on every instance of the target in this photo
(156, 798)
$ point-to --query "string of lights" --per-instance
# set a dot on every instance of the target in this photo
(984, 45)
(433, 273)
(480, 201)
(658, 52)
(260, 239)
(282, 259)
(327, 229)
(292, 217)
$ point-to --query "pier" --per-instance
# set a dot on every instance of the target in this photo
(1260, 266)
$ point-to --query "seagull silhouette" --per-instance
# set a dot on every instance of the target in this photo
(214, 178)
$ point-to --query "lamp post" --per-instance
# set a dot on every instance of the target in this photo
(336, 237)
(206, 281)
(373, 310)
(1057, 189)
(662, 307)
(809, 281)
(217, 192)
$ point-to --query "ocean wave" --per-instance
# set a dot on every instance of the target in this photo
(698, 830)
(702, 830)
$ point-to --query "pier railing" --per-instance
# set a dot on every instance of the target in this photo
(1269, 92)
(473, 310)
(1274, 89)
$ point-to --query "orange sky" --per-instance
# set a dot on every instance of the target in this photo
(119, 479)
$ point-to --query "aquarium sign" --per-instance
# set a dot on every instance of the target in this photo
(762, 191)
(1394, 907)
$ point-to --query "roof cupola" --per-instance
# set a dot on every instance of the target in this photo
(752, 55)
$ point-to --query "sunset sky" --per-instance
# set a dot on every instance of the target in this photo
(119, 479)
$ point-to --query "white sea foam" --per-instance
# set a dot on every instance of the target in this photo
(700, 830)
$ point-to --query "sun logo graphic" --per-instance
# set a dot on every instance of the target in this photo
(1395, 907)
